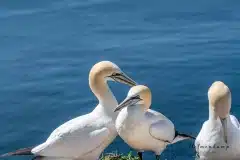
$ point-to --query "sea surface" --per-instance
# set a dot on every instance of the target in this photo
(177, 48)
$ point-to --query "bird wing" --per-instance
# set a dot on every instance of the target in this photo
(162, 130)
(154, 116)
(197, 143)
(162, 124)
(208, 136)
(75, 138)
(234, 121)
(205, 134)
(151, 114)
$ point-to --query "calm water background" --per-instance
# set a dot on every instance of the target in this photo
(176, 48)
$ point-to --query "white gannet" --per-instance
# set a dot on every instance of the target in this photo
(219, 137)
(85, 137)
(142, 128)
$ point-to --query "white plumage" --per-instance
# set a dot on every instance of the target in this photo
(219, 137)
(142, 128)
(85, 137)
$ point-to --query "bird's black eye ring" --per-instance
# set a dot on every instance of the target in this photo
(136, 97)
(116, 74)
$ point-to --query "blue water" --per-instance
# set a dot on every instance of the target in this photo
(177, 48)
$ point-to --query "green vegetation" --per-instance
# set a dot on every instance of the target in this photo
(115, 156)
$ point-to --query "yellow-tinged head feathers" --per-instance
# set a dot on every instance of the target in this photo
(103, 69)
(144, 92)
(219, 96)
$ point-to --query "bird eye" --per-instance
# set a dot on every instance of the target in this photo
(136, 97)
(116, 74)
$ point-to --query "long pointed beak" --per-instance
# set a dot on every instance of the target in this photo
(224, 125)
(123, 78)
(128, 102)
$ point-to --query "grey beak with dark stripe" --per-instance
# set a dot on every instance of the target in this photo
(123, 78)
(224, 125)
(128, 102)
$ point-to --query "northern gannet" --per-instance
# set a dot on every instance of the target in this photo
(85, 137)
(142, 128)
(219, 137)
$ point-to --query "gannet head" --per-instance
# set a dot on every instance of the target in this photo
(109, 71)
(219, 97)
(138, 94)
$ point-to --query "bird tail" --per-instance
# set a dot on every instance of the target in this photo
(23, 151)
(181, 136)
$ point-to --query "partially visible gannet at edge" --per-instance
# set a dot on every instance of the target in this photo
(219, 137)
(85, 137)
(144, 129)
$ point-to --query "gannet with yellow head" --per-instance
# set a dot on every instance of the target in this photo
(142, 128)
(219, 137)
(85, 137)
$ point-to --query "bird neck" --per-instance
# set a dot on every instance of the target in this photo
(143, 106)
(101, 90)
(212, 114)
(136, 111)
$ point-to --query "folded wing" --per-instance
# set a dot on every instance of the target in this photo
(73, 140)
(162, 130)
(235, 121)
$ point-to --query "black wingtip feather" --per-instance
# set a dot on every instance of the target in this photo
(23, 151)
(184, 135)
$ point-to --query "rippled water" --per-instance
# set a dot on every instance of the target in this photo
(176, 48)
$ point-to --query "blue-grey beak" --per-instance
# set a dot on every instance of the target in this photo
(128, 102)
(123, 78)
(224, 125)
